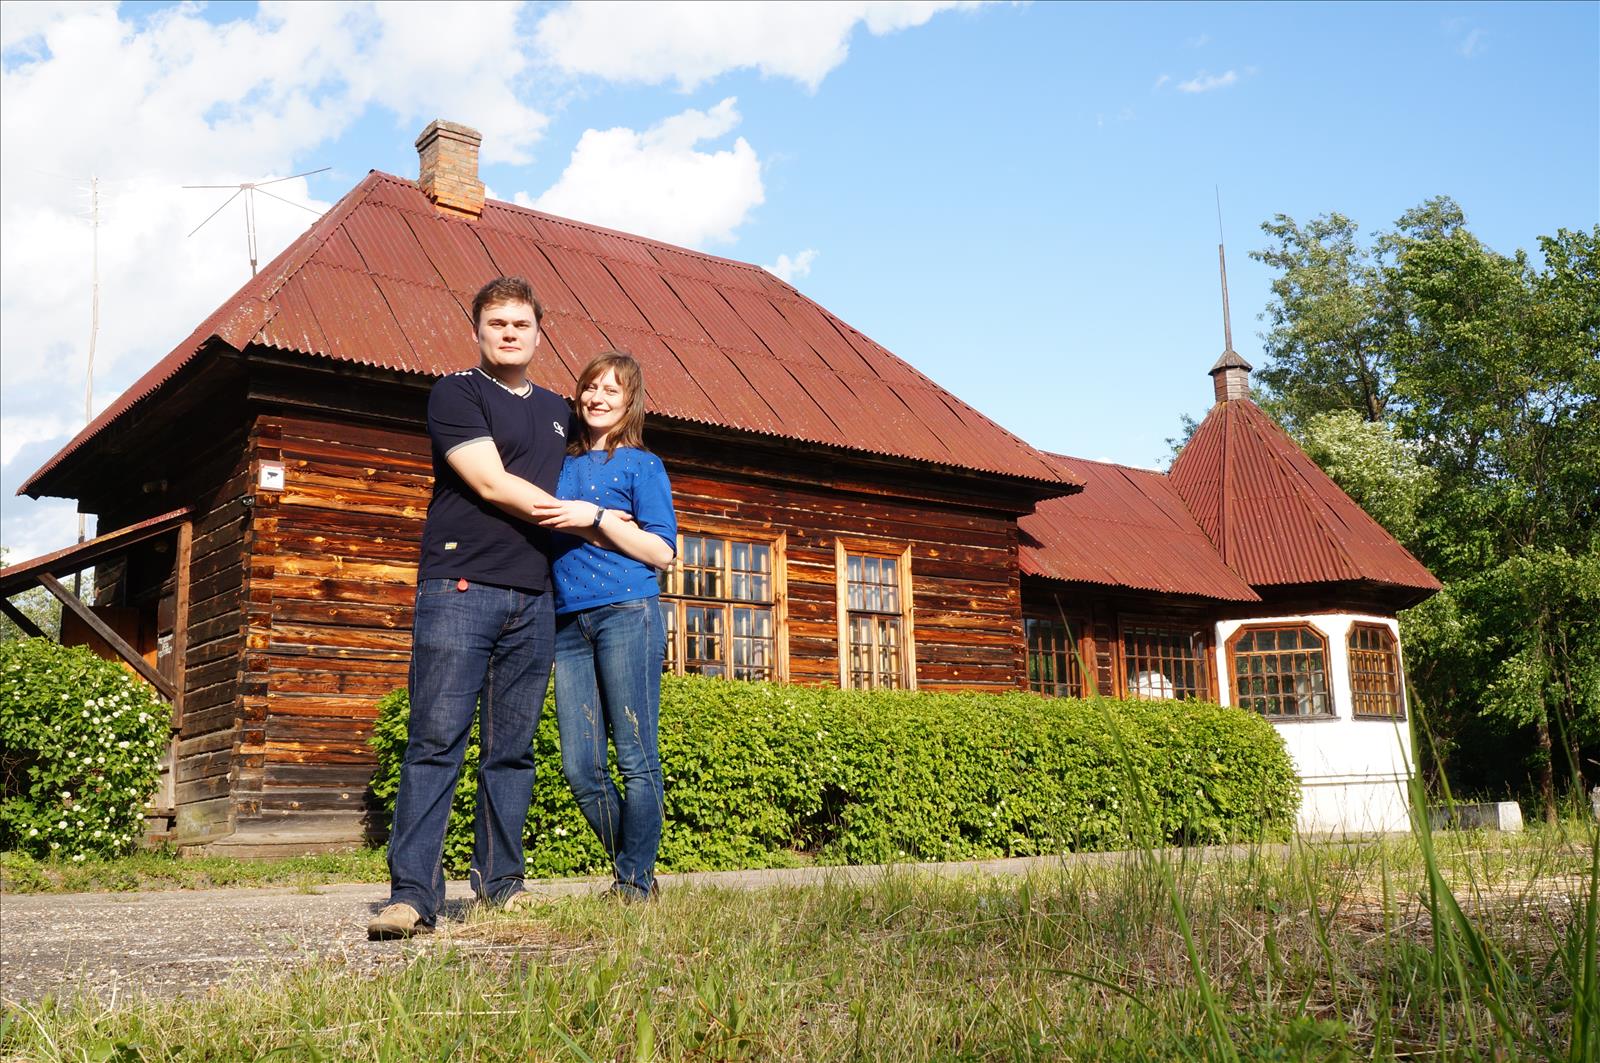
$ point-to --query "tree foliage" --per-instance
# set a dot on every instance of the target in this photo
(37, 605)
(1452, 390)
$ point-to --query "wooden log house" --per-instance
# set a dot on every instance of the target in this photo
(844, 519)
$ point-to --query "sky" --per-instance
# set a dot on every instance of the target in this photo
(1021, 200)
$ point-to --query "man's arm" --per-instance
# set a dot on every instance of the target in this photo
(479, 466)
(616, 531)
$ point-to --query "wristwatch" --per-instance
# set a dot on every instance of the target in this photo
(599, 511)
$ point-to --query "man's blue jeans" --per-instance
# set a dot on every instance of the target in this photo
(608, 684)
(485, 649)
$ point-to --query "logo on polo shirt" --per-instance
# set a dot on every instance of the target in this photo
(561, 429)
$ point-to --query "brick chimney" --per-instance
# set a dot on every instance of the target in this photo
(449, 168)
(1230, 377)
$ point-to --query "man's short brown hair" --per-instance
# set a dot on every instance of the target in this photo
(505, 290)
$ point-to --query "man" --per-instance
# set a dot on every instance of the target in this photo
(484, 627)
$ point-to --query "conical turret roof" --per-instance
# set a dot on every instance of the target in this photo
(1276, 518)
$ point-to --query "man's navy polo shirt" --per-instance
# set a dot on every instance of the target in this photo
(466, 537)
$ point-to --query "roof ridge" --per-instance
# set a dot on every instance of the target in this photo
(1106, 464)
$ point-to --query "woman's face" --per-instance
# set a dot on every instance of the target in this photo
(601, 404)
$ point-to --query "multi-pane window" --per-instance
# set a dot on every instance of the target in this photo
(1281, 671)
(1055, 666)
(718, 601)
(874, 599)
(1375, 672)
(1163, 662)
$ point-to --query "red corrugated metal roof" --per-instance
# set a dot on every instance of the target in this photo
(1275, 517)
(1127, 528)
(385, 280)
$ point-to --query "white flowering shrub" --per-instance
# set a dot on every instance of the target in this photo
(80, 746)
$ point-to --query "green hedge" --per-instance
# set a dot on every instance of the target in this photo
(758, 774)
(80, 748)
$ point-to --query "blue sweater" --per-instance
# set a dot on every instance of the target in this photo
(634, 481)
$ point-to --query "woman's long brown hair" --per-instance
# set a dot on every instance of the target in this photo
(629, 431)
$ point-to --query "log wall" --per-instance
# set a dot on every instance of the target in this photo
(966, 617)
(332, 570)
(332, 579)
(206, 756)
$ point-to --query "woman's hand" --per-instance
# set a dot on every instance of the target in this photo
(571, 515)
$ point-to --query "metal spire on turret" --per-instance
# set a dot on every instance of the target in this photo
(1231, 375)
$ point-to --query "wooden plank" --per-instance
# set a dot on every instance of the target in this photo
(338, 568)
(391, 617)
(186, 793)
(180, 620)
(332, 705)
(278, 799)
(197, 764)
(207, 743)
(74, 604)
(342, 453)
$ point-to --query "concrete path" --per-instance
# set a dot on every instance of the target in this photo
(184, 941)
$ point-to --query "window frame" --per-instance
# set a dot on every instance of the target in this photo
(1236, 699)
(900, 553)
(777, 543)
(1392, 651)
(1082, 644)
(1201, 632)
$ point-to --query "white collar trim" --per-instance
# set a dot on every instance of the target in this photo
(523, 392)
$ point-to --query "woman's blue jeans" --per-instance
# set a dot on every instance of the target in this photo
(608, 685)
(485, 649)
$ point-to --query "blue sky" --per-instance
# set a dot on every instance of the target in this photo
(1017, 199)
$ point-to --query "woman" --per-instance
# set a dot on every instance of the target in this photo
(609, 636)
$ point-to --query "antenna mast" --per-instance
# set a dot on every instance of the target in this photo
(1222, 263)
(248, 189)
(94, 332)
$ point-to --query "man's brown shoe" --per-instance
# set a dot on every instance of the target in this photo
(520, 901)
(396, 921)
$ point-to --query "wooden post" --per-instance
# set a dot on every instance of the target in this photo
(180, 622)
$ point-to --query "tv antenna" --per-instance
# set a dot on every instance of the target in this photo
(248, 190)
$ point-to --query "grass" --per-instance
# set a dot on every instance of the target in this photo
(1451, 946)
(165, 870)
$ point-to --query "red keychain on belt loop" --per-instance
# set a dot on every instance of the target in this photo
(461, 584)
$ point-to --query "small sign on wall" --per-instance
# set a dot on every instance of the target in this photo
(269, 477)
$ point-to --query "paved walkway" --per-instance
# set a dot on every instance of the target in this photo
(184, 941)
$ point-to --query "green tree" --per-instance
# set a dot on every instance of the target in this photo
(37, 605)
(1373, 464)
(1483, 371)
(1327, 344)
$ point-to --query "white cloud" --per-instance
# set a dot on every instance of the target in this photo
(789, 269)
(1160, 81)
(658, 182)
(1470, 41)
(1203, 82)
(23, 429)
(692, 41)
(24, 24)
(157, 101)
(1198, 42)
(48, 525)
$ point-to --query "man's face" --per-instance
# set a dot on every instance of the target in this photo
(507, 335)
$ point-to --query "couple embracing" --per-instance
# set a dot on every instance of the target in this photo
(543, 538)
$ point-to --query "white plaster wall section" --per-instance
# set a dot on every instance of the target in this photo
(1353, 772)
